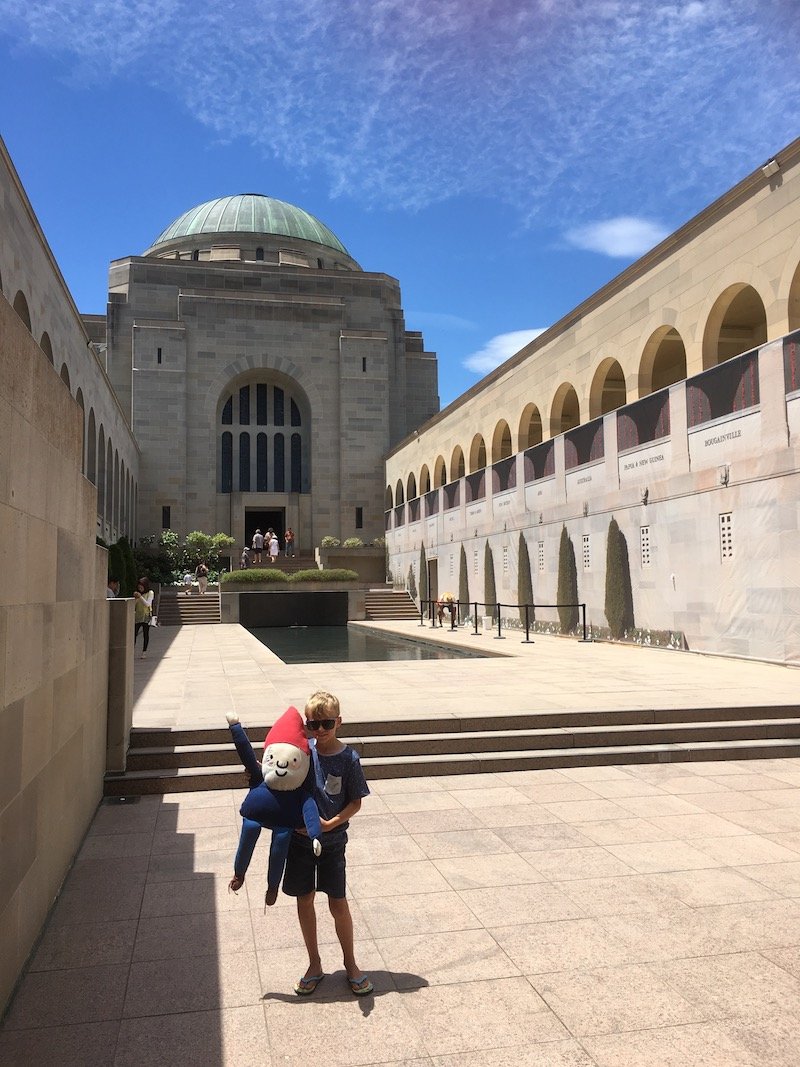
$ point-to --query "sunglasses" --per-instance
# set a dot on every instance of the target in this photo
(320, 724)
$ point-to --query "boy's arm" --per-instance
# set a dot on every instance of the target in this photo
(343, 816)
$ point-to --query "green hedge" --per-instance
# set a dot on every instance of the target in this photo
(264, 576)
(335, 574)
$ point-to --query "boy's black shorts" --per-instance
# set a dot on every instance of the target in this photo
(306, 872)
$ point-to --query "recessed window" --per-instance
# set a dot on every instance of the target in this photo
(587, 552)
(475, 562)
(364, 364)
(644, 545)
(540, 554)
(259, 253)
(196, 254)
(452, 564)
(158, 355)
(726, 536)
(359, 518)
(165, 518)
(505, 560)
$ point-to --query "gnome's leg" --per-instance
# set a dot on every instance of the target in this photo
(247, 842)
(278, 851)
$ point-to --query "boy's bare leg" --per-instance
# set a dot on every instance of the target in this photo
(308, 925)
(343, 921)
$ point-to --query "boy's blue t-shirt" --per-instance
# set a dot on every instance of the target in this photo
(338, 780)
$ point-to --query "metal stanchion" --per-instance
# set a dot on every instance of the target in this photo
(499, 623)
(475, 617)
(527, 640)
(583, 640)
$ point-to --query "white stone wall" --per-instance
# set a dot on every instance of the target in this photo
(744, 465)
(27, 266)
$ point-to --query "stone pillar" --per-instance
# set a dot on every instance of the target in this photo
(678, 429)
(120, 683)
(772, 397)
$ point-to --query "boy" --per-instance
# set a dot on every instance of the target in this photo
(338, 790)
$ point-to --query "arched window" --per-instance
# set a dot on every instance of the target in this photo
(116, 509)
(457, 464)
(737, 323)
(46, 346)
(477, 454)
(399, 493)
(439, 472)
(244, 462)
(21, 308)
(280, 464)
(259, 254)
(196, 254)
(79, 398)
(226, 463)
(501, 441)
(296, 464)
(424, 480)
(107, 513)
(91, 449)
(65, 374)
(411, 487)
(607, 391)
(565, 413)
(101, 474)
(261, 463)
(530, 428)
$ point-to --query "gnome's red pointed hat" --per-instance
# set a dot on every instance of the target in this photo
(289, 730)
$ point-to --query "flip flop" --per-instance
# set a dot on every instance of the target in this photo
(361, 987)
(306, 986)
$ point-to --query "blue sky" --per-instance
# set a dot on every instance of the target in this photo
(502, 159)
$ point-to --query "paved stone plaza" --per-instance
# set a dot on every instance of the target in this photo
(604, 916)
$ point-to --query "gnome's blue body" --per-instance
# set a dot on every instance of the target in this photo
(280, 796)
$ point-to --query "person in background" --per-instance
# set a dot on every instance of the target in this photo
(274, 547)
(201, 574)
(258, 546)
(244, 562)
(188, 578)
(143, 612)
(113, 589)
(288, 542)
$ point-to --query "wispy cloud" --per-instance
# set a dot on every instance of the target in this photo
(439, 320)
(499, 349)
(568, 111)
(624, 236)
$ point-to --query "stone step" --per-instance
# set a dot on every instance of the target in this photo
(208, 755)
(162, 737)
(185, 779)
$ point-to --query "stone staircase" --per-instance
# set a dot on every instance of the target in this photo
(171, 761)
(385, 604)
(177, 609)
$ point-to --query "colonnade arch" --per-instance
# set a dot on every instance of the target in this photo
(736, 323)
(565, 410)
(663, 361)
(424, 480)
(477, 454)
(607, 391)
(530, 427)
(439, 472)
(457, 464)
(47, 347)
(501, 442)
(388, 499)
(411, 487)
(399, 495)
(793, 309)
(21, 308)
(65, 375)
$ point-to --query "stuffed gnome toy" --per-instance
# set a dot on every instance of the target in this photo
(280, 798)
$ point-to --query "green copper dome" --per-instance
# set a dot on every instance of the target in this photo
(250, 213)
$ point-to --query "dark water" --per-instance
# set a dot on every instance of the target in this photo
(340, 644)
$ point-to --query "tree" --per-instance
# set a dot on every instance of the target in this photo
(619, 594)
(412, 585)
(130, 577)
(489, 588)
(116, 567)
(567, 595)
(463, 584)
(524, 580)
(423, 577)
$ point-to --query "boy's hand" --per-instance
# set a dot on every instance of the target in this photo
(328, 824)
